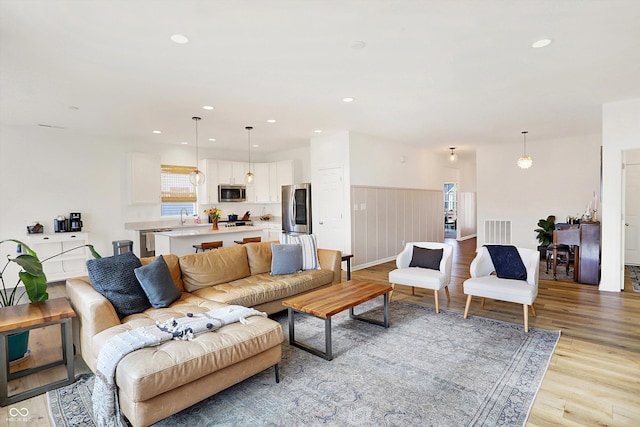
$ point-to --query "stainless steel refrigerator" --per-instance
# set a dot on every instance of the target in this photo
(296, 209)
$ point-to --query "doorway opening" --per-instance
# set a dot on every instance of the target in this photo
(450, 211)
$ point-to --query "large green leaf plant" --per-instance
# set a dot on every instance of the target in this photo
(31, 275)
(545, 232)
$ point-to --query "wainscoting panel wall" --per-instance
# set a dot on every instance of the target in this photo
(466, 215)
(384, 219)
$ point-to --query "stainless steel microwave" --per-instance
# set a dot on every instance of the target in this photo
(232, 193)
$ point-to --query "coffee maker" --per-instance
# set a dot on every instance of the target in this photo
(75, 221)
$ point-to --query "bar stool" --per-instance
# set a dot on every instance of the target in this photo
(205, 246)
(248, 240)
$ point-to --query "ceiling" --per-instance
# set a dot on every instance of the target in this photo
(434, 73)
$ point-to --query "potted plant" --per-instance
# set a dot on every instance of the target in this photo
(545, 234)
(34, 280)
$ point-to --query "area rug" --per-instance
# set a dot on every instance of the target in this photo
(425, 369)
(633, 271)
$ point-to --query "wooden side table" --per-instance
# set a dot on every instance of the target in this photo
(24, 317)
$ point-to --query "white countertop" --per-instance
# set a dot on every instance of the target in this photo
(204, 231)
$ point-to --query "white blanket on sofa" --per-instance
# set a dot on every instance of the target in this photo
(106, 408)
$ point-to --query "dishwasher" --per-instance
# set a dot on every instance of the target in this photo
(148, 241)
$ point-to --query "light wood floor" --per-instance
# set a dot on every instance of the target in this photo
(594, 375)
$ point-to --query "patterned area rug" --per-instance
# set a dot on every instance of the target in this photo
(633, 271)
(426, 369)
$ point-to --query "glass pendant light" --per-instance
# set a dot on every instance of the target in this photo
(197, 176)
(525, 162)
(249, 176)
(453, 156)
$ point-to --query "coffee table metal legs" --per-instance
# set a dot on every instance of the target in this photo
(384, 323)
(327, 329)
(327, 337)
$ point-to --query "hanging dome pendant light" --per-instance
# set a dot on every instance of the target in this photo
(197, 176)
(249, 176)
(525, 162)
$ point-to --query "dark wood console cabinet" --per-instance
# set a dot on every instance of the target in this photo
(586, 240)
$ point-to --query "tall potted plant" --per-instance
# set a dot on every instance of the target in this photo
(34, 280)
(545, 234)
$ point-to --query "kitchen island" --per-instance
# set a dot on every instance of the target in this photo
(180, 242)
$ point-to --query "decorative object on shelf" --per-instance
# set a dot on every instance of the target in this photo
(525, 162)
(35, 284)
(35, 228)
(453, 156)
(249, 176)
(197, 176)
(214, 216)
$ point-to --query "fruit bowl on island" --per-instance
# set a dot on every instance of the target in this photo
(266, 217)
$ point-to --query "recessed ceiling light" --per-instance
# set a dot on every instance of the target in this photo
(212, 139)
(179, 38)
(541, 43)
(255, 145)
(157, 131)
(358, 45)
(271, 121)
(73, 107)
(184, 143)
(348, 99)
(208, 107)
(318, 131)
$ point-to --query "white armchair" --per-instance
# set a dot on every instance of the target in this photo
(485, 285)
(424, 277)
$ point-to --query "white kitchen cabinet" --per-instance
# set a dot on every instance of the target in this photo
(283, 176)
(230, 172)
(144, 178)
(261, 184)
(272, 232)
(70, 264)
(208, 192)
(240, 170)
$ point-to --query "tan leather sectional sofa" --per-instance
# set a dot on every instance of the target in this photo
(156, 382)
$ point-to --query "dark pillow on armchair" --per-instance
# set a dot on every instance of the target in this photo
(507, 262)
(426, 258)
(114, 278)
(157, 283)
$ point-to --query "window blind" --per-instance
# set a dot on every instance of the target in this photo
(176, 186)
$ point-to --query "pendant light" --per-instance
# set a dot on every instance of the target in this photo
(197, 176)
(453, 156)
(249, 176)
(525, 161)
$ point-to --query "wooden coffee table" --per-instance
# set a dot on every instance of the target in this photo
(332, 300)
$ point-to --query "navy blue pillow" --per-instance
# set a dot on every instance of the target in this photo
(157, 283)
(114, 278)
(507, 262)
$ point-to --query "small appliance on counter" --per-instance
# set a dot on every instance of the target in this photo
(63, 224)
(75, 219)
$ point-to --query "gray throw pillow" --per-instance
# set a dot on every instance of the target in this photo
(157, 283)
(426, 258)
(114, 278)
(285, 259)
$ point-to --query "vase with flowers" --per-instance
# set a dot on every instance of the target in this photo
(214, 216)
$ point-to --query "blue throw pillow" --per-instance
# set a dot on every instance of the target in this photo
(285, 259)
(426, 258)
(507, 262)
(114, 278)
(157, 283)
(309, 249)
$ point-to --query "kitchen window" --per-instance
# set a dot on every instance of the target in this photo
(177, 190)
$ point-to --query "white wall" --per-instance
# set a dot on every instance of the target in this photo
(620, 131)
(561, 182)
(49, 172)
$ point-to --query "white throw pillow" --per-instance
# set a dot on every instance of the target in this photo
(309, 249)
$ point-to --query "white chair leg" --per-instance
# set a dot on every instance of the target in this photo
(435, 296)
(446, 289)
(533, 309)
(393, 288)
(525, 308)
(466, 306)
(482, 303)
(413, 290)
